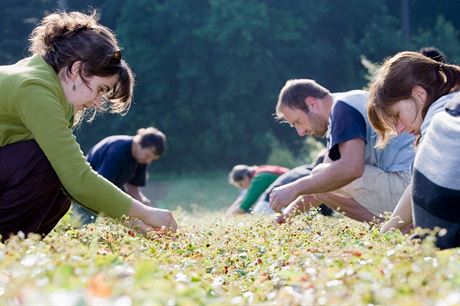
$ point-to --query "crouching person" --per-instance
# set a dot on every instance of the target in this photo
(416, 94)
(76, 64)
(124, 160)
(253, 181)
(355, 178)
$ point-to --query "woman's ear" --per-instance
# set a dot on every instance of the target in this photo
(419, 94)
(75, 70)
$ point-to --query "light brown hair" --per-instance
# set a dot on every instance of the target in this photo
(394, 82)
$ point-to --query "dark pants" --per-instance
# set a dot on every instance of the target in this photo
(436, 206)
(31, 198)
(86, 216)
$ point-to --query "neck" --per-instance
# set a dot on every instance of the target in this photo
(134, 146)
(327, 103)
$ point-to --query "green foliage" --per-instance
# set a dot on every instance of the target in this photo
(314, 260)
(209, 71)
(17, 19)
(283, 156)
(444, 36)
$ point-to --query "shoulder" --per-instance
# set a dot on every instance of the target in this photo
(118, 140)
(342, 111)
(271, 169)
(32, 83)
(32, 73)
(437, 107)
(351, 97)
(114, 144)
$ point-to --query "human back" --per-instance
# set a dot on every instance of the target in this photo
(112, 158)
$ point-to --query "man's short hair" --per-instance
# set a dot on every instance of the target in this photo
(152, 137)
(294, 93)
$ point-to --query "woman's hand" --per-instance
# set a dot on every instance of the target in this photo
(157, 218)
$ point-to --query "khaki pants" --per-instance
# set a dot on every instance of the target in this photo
(376, 190)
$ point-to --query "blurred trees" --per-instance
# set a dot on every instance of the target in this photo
(209, 71)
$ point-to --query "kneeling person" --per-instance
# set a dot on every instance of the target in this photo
(355, 178)
(124, 161)
(253, 181)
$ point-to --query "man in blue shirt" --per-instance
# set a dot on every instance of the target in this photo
(124, 161)
(355, 178)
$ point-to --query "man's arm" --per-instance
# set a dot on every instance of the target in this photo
(136, 193)
(326, 177)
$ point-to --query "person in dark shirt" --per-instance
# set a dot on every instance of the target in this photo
(124, 161)
(434, 53)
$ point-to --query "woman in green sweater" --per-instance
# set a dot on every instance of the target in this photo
(76, 66)
(253, 181)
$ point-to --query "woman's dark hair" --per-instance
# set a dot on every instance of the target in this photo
(394, 82)
(152, 137)
(65, 38)
(434, 53)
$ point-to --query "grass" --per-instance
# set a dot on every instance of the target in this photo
(314, 260)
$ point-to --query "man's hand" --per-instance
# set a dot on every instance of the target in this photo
(281, 196)
(290, 211)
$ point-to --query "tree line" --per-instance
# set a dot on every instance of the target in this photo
(209, 71)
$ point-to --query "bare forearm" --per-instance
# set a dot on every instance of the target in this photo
(235, 207)
(402, 215)
(137, 194)
(137, 210)
(325, 178)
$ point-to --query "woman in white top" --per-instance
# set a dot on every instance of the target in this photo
(408, 91)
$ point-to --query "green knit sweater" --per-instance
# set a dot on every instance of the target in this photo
(33, 106)
(259, 183)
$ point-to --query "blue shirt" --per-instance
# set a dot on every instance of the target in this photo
(112, 158)
(397, 155)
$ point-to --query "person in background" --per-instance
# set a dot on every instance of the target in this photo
(124, 161)
(263, 204)
(253, 181)
(413, 93)
(434, 54)
(76, 65)
(355, 177)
